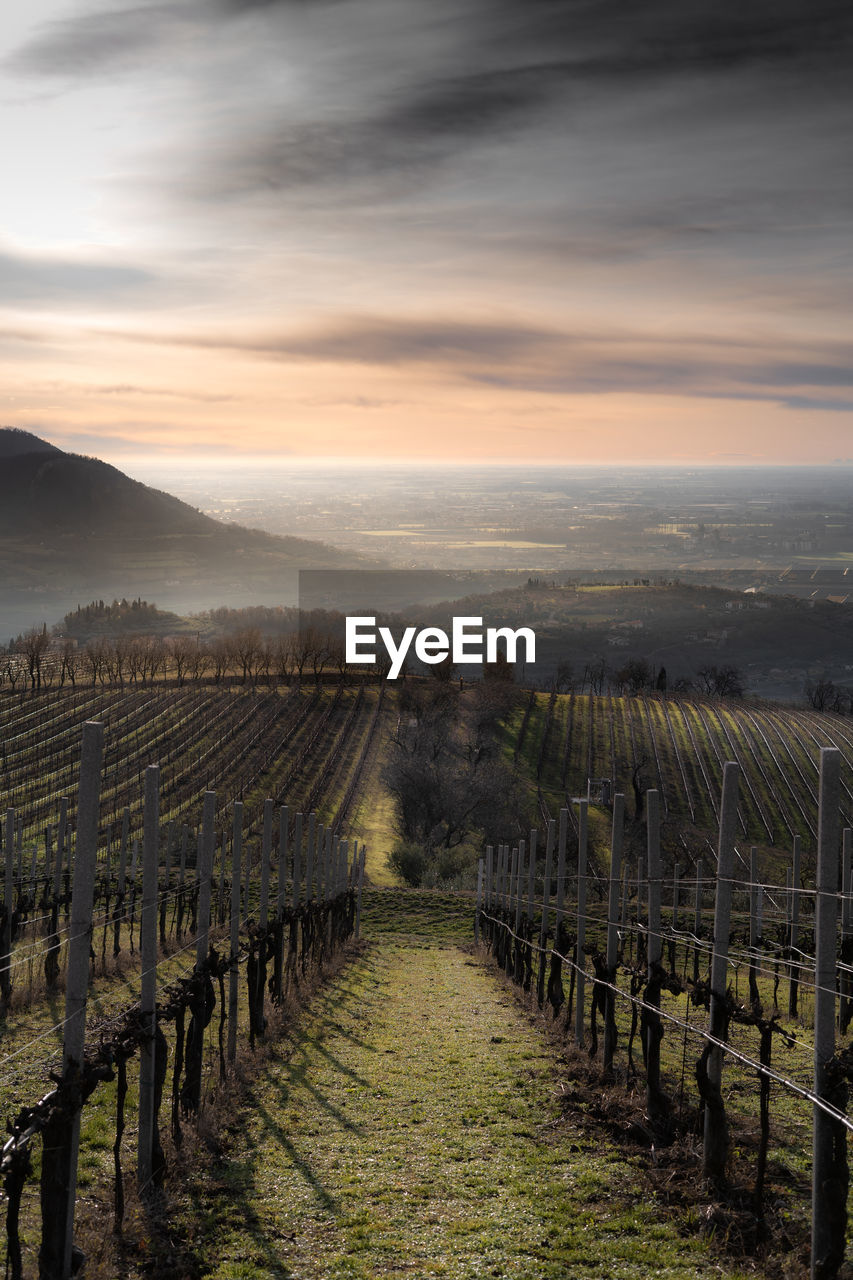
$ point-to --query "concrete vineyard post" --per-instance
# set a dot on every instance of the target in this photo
(583, 807)
(753, 924)
(233, 972)
(829, 1162)
(77, 986)
(319, 855)
(309, 860)
(716, 1143)
(796, 886)
(561, 871)
(654, 951)
(480, 865)
(205, 873)
(697, 919)
(8, 908)
(511, 909)
(519, 882)
(546, 887)
(531, 879)
(122, 851)
(490, 855)
(148, 998)
(358, 898)
(297, 860)
(247, 881)
(281, 902)
(220, 892)
(613, 928)
(846, 981)
(266, 858)
(546, 909)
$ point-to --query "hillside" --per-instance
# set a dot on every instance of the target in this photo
(15, 441)
(678, 745)
(73, 528)
(777, 642)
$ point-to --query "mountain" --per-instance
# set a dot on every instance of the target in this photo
(14, 441)
(74, 528)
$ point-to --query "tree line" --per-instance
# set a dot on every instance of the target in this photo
(638, 675)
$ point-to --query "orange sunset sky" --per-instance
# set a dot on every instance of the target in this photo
(465, 230)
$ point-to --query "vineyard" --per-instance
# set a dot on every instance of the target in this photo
(641, 952)
(678, 745)
(308, 745)
(199, 881)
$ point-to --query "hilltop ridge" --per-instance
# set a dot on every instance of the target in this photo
(74, 527)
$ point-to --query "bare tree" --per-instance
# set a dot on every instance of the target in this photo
(69, 662)
(33, 646)
(180, 652)
(244, 648)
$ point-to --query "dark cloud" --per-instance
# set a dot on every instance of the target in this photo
(615, 37)
(104, 40)
(48, 279)
(555, 362)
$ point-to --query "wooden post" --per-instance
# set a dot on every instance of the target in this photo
(60, 1151)
(583, 807)
(613, 928)
(233, 972)
(829, 1144)
(716, 1138)
(148, 998)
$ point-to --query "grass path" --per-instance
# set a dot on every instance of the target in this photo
(412, 1128)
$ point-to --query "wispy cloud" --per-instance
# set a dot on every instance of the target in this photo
(556, 362)
(26, 278)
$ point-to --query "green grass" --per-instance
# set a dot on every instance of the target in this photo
(411, 1127)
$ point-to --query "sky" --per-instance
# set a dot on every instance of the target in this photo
(556, 230)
